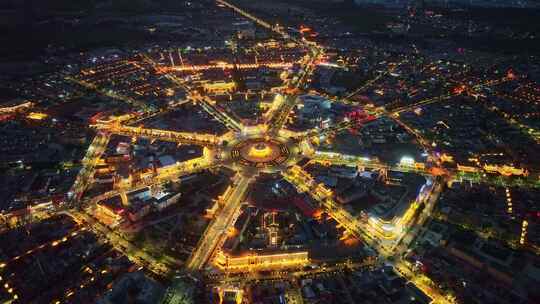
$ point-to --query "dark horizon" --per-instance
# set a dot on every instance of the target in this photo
(239, 151)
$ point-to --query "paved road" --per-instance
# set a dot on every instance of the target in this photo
(89, 162)
(218, 227)
(165, 135)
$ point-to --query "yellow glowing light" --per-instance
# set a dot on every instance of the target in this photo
(37, 116)
(232, 232)
(260, 151)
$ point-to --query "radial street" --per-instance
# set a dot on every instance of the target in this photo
(217, 229)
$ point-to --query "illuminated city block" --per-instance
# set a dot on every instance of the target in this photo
(504, 170)
(109, 214)
(401, 220)
(253, 261)
(219, 87)
(15, 107)
(469, 169)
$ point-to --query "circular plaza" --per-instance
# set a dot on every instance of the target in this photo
(260, 152)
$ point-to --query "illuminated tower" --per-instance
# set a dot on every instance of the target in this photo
(272, 229)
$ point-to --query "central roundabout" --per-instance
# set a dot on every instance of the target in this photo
(259, 150)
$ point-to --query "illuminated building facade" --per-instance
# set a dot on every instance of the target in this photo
(219, 87)
(254, 261)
